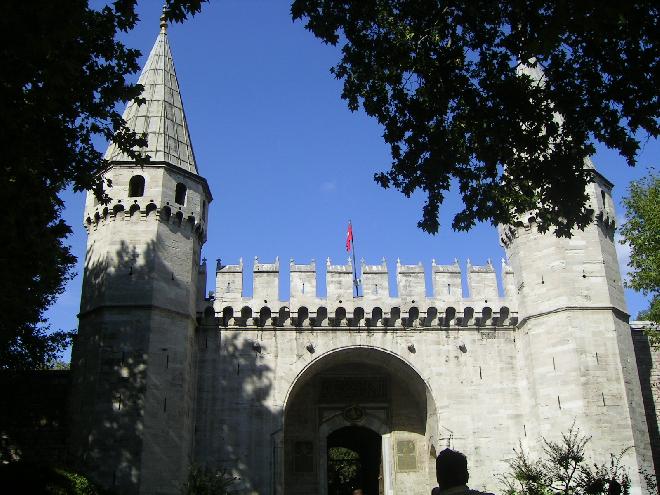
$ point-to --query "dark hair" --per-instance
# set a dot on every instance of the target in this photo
(451, 469)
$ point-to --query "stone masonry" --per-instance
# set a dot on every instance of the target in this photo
(164, 377)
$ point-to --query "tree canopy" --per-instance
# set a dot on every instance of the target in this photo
(64, 73)
(507, 98)
(456, 86)
(641, 231)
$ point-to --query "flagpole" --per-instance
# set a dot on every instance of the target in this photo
(355, 280)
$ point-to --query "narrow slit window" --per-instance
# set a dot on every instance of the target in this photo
(180, 194)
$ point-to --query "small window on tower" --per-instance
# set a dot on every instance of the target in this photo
(136, 186)
(180, 194)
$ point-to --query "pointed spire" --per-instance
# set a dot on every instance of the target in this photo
(161, 116)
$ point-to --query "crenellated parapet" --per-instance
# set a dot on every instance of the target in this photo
(443, 305)
(367, 316)
(137, 211)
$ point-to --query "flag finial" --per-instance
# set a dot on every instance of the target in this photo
(163, 19)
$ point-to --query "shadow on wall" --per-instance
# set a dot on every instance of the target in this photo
(234, 384)
(650, 385)
(109, 363)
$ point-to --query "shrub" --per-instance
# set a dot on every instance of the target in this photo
(35, 479)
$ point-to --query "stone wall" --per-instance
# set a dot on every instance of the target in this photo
(248, 377)
(648, 367)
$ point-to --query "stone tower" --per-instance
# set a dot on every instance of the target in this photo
(133, 363)
(574, 340)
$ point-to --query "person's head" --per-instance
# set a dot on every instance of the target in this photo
(358, 491)
(451, 469)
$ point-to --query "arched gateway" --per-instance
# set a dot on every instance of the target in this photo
(358, 417)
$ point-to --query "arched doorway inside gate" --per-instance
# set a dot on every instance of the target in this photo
(354, 461)
(358, 415)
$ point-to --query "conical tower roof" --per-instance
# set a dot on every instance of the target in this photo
(161, 116)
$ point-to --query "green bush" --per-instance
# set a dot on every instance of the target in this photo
(23, 477)
(562, 468)
(207, 481)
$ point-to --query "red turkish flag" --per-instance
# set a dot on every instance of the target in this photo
(349, 236)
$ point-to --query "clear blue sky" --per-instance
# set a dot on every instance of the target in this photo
(287, 162)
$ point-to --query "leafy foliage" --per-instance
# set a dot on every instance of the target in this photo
(207, 481)
(641, 232)
(22, 477)
(65, 74)
(563, 469)
(506, 98)
(344, 466)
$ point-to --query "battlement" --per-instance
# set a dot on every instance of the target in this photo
(446, 297)
(117, 211)
(394, 317)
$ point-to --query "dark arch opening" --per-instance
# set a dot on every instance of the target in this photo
(413, 315)
(283, 315)
(431, 315)
(395, 315)
(303, 314)
(180, 194)
(486, 315)
(321, 316)
(354, 460)
(264, 315)
(358, 316)
(376, 316)
(117, 209)
(151, 208)
(246, 313)
(165, 213)
(468, 316)
(450, 316)
(227, 314)
(504, 315)
(136, 186)
(133, 209)
(340, 315)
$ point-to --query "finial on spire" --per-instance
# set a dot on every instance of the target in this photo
(163, 20)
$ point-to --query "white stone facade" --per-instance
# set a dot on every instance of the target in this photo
(165, 377)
